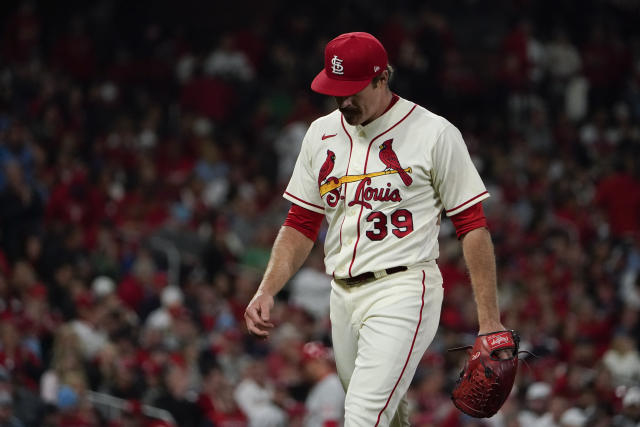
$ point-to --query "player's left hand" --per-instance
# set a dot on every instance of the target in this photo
(496, 326)
(488, 375)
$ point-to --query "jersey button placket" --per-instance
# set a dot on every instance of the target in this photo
(357, 167)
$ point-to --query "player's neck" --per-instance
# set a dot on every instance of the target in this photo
(386, 102)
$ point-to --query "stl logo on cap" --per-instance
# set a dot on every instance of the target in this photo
(336, 65)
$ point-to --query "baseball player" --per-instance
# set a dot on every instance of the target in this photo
(381, 170)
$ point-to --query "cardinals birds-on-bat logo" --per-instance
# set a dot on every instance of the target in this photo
(390, 160)
(327, 167)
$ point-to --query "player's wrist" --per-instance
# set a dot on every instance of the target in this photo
(263, 293)
(267, 290)
(491, 326)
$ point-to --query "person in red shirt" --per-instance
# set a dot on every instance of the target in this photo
(618, 195)
(216, 400)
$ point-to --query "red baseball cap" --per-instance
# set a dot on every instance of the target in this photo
(351, 61)
(315, 350)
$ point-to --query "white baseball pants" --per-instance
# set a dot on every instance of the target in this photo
(381, 330)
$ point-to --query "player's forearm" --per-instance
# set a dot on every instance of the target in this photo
(479, 257)
(289, 251)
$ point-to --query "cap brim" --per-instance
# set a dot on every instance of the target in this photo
(325, 85)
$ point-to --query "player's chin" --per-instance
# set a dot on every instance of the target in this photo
(354, 121)
(352, 117)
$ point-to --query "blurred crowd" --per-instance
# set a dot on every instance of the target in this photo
(144, 148)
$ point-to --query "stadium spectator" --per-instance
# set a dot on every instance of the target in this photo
(325, 402)
(256, 397)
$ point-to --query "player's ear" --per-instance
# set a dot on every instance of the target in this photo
(381, 79)
(384, 78)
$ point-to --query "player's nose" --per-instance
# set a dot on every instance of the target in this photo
(344, 101)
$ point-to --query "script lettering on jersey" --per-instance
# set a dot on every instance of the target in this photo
(331, 187)
(365, 193)
(333, 196)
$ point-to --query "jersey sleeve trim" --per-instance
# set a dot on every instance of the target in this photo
(305, 221)
(303, 203)
(480, 197)
(469, 219)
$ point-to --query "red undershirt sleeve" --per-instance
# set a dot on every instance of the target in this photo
(469, 219)
(305, 221)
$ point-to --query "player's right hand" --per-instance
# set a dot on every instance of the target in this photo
(256, 315)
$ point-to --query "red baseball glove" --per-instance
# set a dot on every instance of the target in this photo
(488, 375)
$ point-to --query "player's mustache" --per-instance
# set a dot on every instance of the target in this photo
(349, 110)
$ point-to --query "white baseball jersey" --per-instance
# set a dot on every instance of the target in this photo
(382, 187)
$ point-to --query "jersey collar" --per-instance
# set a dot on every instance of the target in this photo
(397, 109)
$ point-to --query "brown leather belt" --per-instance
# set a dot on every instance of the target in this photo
(363, 278)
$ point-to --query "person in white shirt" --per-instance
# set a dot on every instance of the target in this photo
(536, 413)
(255, 397)
(325, 402)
